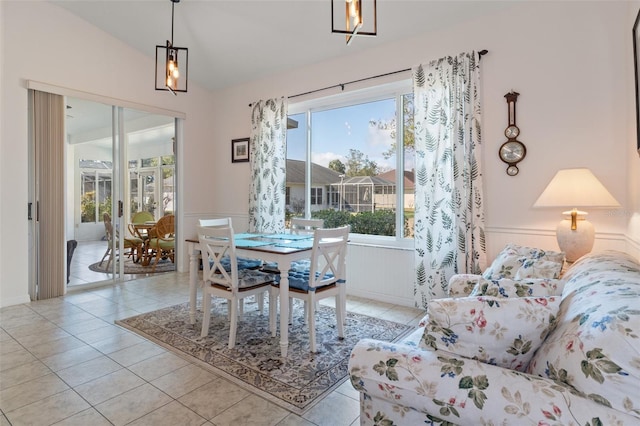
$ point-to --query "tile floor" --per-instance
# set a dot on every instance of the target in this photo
(63, 361)
(85, 254)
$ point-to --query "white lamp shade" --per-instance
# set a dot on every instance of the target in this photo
(575, 188)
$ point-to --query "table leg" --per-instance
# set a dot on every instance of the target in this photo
(284, 308)
(193, 280)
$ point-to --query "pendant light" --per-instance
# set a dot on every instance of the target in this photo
(354, 23)
(172, 63)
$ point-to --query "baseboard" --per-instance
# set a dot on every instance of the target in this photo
(381, 297)
(4, 302)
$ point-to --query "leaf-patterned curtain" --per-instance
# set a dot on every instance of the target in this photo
(267, 159)
(449, 216)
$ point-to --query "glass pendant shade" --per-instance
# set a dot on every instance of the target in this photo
(360, 18)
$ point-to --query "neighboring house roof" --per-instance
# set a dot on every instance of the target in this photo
(95, 164)
(409, 178)
(320, 175)
(368, 180)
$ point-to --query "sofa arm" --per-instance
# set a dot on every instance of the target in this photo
(461, 285)
(449, 388)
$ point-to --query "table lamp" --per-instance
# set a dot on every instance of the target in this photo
(575, 188)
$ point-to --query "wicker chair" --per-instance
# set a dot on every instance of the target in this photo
(162, 239)
(133, 244)
(140, 218)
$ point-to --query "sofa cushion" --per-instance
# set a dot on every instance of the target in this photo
(596, 347)
(533, 287)
(504, 332)
(519, 262)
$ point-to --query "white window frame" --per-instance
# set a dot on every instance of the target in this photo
(371, 94)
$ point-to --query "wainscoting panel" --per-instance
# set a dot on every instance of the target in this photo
(381, 273)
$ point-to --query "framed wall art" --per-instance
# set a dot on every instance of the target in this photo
(240, 150)
(636, 62)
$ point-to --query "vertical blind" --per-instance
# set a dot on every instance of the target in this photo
(48, 135)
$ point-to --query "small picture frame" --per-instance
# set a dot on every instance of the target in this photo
(240, 150)
(636, 62)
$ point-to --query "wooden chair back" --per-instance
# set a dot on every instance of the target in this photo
(165, 228)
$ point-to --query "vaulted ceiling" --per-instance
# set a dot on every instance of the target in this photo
(235, 41)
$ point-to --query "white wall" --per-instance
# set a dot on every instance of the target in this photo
(49, 45)
(568, 60)
(632, 213)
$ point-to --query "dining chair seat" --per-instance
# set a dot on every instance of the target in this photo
(161, 243)
(298, 265)
(247, 278)
(243, 263)
(299, 279)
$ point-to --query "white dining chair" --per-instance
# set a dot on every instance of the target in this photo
(216, 244)
(325, 277)
(301, 226)
(243, 262)
(305, 226)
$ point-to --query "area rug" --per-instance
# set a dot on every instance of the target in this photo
(130, 267)
(295, 383)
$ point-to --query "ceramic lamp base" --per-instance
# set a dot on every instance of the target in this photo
(577, 242)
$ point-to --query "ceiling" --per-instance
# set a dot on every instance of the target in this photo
(231, 42)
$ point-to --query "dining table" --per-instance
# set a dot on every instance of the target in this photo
(283, 249)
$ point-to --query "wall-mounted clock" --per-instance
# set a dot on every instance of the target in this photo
(512, 151)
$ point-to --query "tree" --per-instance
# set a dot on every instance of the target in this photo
(358, 164)
(408, 128)
(337, 166)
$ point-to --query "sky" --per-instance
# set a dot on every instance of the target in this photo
(335, 131)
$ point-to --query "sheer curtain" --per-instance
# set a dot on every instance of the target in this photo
(267, 159)
(449, 216)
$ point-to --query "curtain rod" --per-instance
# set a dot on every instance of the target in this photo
(481, 53)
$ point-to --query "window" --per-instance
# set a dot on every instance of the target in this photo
(95, 190)
(350, 160)
(316, 196)
(95, 186)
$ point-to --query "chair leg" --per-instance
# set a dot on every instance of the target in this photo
(106, 253)
(234, 322)
(312, 324)
(206, 313)
(273, 308)
(343, 297)
(340, 315)
(110, 258)
(158, 255)
(260, 300)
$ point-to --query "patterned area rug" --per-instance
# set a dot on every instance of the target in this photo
(131, 267)
(295, 383)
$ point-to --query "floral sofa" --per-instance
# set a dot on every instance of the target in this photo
(533, 351)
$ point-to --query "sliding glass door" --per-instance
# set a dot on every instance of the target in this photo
(126, 164)
(118, 161)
